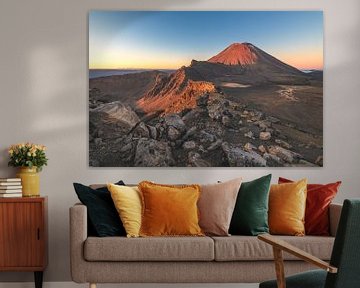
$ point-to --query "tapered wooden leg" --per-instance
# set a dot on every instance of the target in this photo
(92, 285)
(279, 267)
(38, 275)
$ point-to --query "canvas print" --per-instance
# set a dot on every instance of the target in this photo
(205, 88)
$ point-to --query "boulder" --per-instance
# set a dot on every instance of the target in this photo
(153, 153)
(203, 100)
(214, 145)
(189, 145)
(249, 147)
(262, 149)
(283, 143)
(215, 111)
(152, 131)
(126, 147)
(100, 133)
(191, 116)
(173, 133)
(226, 121)
(273, 158)
(98, 141)
(189, 133)
(114, 113)
(141, 131)
(263, 124)
(284, 154)
(175, 121)
(230, 121)
(206, 137)
(195, 160)
(237, 157)
(249, 134)
(161, 132)
(265, 136)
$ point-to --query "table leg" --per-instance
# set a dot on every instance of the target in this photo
(38, 279)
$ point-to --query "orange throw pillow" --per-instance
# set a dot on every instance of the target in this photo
(318, 200)
(287, 204)
(169, 210)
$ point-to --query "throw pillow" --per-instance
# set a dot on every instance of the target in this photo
(102, 215)
(169, 210)
(127, 201)
(319, 197)
(250, 215)
(216, 206)
(287, 204)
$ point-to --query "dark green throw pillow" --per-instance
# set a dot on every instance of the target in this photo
(103, 219)
(250, 216)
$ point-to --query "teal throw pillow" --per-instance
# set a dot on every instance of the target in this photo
(250, 216)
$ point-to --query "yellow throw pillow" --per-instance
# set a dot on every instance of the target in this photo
(287, 203)
(169, 210)
(127, 201)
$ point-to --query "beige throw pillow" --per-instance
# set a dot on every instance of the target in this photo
(216, 206)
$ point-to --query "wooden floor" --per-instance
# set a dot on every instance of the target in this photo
(74, 285)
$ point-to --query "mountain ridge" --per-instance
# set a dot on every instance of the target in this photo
(238, 64)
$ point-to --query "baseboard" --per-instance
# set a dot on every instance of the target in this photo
(74, 285)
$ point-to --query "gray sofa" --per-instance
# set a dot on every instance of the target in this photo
(234, 259)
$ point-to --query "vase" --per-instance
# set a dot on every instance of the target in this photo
(30, 181)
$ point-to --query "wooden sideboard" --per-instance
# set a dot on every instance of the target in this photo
(23, 235)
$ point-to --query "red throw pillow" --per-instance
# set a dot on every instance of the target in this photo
(319, 197)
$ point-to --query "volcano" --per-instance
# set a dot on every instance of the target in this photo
(248, 55)
(236, 54)
(240, 64)
(252, 60)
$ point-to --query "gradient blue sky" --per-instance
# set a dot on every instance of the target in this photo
(159, 39)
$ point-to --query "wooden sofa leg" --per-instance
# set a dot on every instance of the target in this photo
(92, 285)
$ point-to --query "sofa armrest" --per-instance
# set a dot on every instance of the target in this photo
(334, 216)
(279, 246)
(284, 246)
(78, 235)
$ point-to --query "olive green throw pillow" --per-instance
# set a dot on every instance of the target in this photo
(250, 216)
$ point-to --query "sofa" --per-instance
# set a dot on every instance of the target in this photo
(233, 259)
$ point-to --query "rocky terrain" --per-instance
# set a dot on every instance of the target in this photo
(242, 107)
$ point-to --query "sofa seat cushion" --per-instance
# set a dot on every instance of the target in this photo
(149, 249)
(245, 248)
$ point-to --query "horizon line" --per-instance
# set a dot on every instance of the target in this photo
(301, 69)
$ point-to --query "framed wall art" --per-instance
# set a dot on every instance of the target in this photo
(205, 88)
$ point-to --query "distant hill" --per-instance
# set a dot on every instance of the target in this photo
(316, 74)
(128, 88)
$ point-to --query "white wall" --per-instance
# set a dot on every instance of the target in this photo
(43, 90)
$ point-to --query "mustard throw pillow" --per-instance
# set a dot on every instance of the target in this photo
(169, 210)
(287, 204)
(127, 201)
